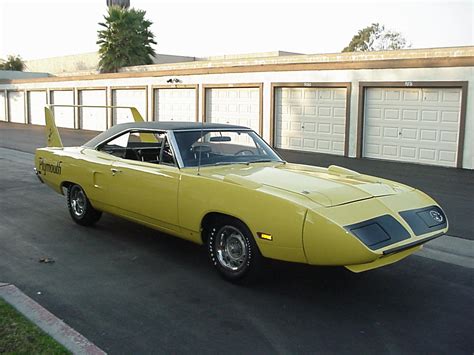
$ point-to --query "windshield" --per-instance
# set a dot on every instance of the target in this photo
(223, 147)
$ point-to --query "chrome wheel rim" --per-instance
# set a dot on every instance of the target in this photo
(78, 202)
(231, 248)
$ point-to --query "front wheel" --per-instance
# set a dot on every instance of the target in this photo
(233, 251)
(80, 208)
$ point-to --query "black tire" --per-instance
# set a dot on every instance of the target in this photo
(80, 208)
(233, 251)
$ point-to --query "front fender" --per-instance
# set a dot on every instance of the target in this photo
(327, 243)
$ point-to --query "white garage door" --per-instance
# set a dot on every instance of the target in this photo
(237, 106)
(412, 125)
(64, 116)
(16, 106)
(3, 105)
(91, 118)
(311, 119)
(128, 97)
(36, 104)
(175, 105)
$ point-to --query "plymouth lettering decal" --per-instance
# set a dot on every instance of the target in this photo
(53, 168)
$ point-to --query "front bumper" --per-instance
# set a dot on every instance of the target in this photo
(412, 244)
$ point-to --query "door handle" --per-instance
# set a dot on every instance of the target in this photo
(115, 171)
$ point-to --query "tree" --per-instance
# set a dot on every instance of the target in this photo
(125, 40)
(376, 38)
(13, 62)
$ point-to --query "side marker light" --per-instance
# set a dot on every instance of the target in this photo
(265, 236)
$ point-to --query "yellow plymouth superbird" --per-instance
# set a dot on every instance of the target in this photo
(223, 186)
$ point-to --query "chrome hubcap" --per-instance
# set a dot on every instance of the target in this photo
(78, 202)
(231, 248)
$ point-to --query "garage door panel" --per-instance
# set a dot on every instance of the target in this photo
(411, 95)
(340, 95)
(239, 106)
(3, 116)
(317, 115)
(175, 104)
(128, 97)
(310, 127)
(324, 145)
(429, 135)
(16, 106)
(295, 142)
(450, 116)
(374, 131)
(410, 115)
(390, 132)
(92, 118)
(390, 150)
(64, 116)
(393, 95)
(429, 116)
(391, 114)
(310, 94)
(427, 154)
(325, 94)
(426, 132)
(309, 142)
(449, 137)
(408, 152)
(431, 96)
(374, 95)
(338, 146)
(409, 133)
(453, 96)
(296, 93)
(374, 113)
(339, 112)
(447, 156)
(36, 104)
(323, 128)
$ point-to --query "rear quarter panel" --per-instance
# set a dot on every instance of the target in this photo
(59, 165)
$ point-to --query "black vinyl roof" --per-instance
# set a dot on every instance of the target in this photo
(159, 126)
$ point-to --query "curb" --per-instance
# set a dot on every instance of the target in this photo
(48, 322)
(450, 250)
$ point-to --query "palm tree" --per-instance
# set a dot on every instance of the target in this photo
(125, 40)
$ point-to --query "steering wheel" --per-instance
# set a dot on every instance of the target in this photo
(243, 151)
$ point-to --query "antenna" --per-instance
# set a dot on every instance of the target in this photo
(200, 148)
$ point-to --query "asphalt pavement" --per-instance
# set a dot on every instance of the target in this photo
(130, 289)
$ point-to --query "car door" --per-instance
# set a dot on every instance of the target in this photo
(145, 182)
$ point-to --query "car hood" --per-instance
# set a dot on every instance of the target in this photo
(331, 186)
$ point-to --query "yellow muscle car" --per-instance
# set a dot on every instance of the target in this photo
(223, 186)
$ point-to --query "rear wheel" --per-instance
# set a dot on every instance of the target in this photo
(80, 208)
(233, 251)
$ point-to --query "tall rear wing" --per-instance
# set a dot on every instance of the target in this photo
(53, 139)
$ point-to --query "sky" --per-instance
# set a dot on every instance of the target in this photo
(48, 28)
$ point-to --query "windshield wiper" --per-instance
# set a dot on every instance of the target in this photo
(248, 162)
(264, 161)
(230, 162)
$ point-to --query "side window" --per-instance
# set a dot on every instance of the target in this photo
(167, 154)
(116, 146)
(146, 146)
